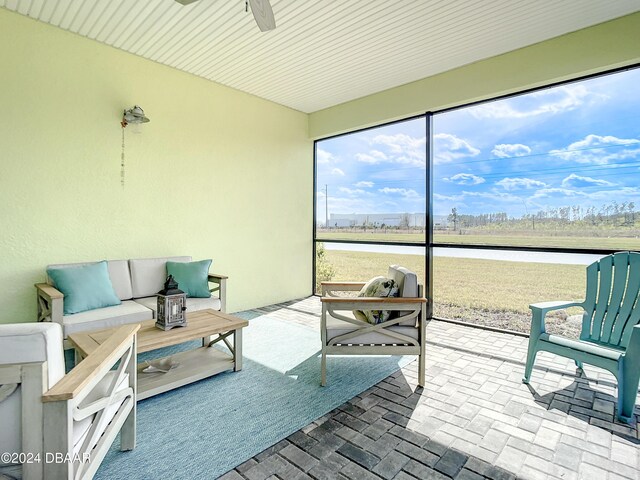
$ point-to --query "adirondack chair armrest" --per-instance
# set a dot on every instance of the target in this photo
(546, 307)
(540, 310)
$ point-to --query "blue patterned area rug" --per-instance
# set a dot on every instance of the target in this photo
(207, 428)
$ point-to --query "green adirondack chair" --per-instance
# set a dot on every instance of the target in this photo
(610, 336)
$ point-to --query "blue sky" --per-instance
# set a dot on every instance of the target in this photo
(578, 144)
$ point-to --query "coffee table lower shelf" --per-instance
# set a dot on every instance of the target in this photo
(209, 327)
(196, 364)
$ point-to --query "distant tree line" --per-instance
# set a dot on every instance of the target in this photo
(613, 214)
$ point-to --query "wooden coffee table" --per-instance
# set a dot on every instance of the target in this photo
(202, 362)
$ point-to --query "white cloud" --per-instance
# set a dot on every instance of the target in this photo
(378, 154)
(618, 193)
(465, 179)
(351, 191)
(405, 192)
(561, 194)
(401, 148)
(520, 183)
(578, 181)
(599, 150)
(396, 174)
(549, 101)
(448, 148)
(337, 171)
(363, 184)
(400, 142)
(506, 150)
(557, 192)
(493, 195)
(451, 198)
(373, 157)
(322, 156)
(366, 158)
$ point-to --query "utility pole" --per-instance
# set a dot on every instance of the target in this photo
(326, 206)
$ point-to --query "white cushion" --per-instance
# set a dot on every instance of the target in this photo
(193, 304)
(118, 272)
(33, 342)
(108, 317)
(149, 274)
(81, 428)
(25, 343)
(336, 327)
(406, 280)
(408, 286)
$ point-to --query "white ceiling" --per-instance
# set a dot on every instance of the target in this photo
(323, 52)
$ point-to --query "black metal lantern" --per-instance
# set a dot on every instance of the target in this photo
(172, 303)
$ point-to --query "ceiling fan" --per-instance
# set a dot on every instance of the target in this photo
(261, 9)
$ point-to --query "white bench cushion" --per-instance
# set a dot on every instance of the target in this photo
(336, 327)
(149, 274)
(118, 272)
(193, 304)
(108, 317)
(24, 343)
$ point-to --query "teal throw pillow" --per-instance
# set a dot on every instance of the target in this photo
(84, 288)
(192, 277)
(376, 287)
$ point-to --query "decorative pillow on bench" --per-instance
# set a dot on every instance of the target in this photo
(192, 277)
(376, 287)
(84, 288)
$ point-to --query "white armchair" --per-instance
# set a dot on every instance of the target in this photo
(58, 426)
(403, 334)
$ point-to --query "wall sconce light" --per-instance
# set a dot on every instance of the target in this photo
(134, 116)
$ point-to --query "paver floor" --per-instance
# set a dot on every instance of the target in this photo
(474, 419)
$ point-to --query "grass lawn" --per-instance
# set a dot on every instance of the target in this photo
(496, 293)
(621, 243)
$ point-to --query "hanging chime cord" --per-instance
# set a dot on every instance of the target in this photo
(122, 161)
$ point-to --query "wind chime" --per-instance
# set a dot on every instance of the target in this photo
(134, 116)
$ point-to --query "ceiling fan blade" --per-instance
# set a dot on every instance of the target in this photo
(263, 14)
(186, 2)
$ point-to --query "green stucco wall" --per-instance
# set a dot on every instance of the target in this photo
(216, 173)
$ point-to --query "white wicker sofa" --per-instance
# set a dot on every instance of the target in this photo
(135, 282)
